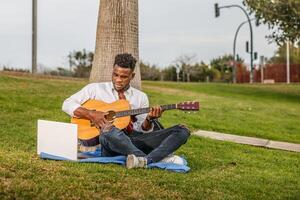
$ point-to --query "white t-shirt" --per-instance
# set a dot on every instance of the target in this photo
(105, 92)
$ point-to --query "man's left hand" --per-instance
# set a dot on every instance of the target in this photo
(155, 112)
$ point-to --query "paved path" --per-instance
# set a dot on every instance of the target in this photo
(249, 140)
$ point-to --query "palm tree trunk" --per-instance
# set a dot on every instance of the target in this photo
(117, 32)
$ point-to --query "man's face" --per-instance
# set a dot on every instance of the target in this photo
(121, 77)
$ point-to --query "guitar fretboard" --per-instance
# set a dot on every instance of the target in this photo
(143, 110)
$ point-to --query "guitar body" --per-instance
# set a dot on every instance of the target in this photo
(88, 134)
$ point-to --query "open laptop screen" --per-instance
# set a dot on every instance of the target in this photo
(57, 138)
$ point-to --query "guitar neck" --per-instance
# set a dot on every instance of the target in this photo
(143, 110)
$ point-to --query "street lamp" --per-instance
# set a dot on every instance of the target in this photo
(217, 14)
(234, 49)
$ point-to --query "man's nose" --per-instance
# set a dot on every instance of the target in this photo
(118, 79)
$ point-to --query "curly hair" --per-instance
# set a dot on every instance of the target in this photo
(125, 60)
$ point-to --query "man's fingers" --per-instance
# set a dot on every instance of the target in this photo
(97, 126)
(101, 124)
(105, 120)
(105, 113)
(157, 111)
(152, 110)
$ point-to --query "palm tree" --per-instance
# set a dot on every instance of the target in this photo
(117, 32)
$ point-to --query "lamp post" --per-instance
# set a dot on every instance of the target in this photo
(262, 63)
(234, 49)
(288, 62)
(34, 38)
(217, 14)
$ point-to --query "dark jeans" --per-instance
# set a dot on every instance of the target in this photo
(154, 146)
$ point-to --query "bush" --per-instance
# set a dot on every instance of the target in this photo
(15, 70)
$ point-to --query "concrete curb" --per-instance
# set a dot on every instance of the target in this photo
(249, 140)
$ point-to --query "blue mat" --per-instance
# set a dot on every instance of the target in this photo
(95, 157)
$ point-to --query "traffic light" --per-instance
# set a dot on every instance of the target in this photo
(217, 10)
(247, 46)
(255, 55)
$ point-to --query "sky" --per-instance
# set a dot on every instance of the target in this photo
(167, 30)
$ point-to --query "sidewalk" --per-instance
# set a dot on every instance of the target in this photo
(249, 140)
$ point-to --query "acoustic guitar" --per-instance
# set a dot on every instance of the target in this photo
(119, 113)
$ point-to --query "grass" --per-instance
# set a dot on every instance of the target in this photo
(220, 170)
(269, 111)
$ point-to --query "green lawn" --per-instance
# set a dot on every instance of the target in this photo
(219, 170)
(269, 111)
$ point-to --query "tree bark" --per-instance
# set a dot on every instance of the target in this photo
(117, 32)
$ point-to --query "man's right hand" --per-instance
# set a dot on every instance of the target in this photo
(98, 118)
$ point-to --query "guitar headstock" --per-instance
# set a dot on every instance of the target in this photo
(188, 106)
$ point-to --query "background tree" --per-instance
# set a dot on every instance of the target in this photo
(280, 55)
(81, 63)
(278, 14)
(224, 65)
(199, 72)
(185, 62)
(149, 72)
(117, 32)
(169, 73)
(59, 72)
(11, 69)
(214, 75)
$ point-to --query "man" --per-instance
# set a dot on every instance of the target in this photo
(138, 141)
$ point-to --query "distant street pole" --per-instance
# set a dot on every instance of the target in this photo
(34, 38)
(234, 50)
(217, 14)
(262, 63)
(288, 62)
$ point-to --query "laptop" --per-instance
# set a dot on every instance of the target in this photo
(58, 139)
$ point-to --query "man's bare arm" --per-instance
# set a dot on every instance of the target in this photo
(146, 124)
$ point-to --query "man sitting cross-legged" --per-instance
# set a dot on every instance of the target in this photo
(138, 141)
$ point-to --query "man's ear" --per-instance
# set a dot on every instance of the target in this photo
(132, 75)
